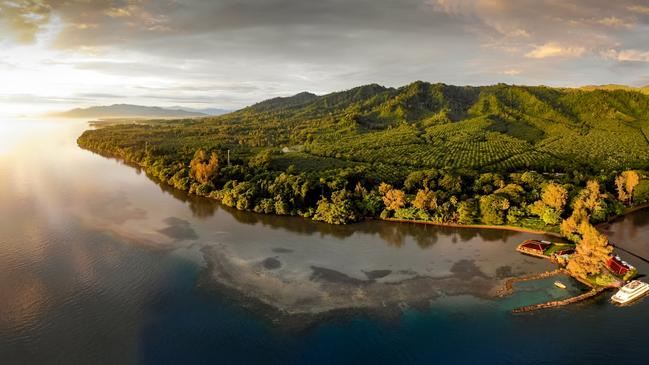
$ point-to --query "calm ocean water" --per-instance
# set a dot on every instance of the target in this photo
(99, 264)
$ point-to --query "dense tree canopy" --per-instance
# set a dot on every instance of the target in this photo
(524, 156)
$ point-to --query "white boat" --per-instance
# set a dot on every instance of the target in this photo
(631, 291)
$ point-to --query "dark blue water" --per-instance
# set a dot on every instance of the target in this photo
(196, 329)
(86, 277)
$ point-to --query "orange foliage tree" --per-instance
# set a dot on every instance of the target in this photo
(625, 183)
(202, 169)
(394, 199)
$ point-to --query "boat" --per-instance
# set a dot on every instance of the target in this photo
(630, 292)
(560, 284)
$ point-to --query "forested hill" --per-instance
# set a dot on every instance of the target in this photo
(421, 125)
(491, 128)
(423, 151)
(644, 90)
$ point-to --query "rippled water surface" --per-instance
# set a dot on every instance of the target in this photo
(100, 264)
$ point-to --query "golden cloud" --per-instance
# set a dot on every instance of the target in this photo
(511, 72)
(23, 19)
(553, 49)
(627, 55)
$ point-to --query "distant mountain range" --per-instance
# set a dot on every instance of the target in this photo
(207, 111)
(137, 111)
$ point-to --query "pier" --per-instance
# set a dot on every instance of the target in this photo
(558, 303)
(508, 288)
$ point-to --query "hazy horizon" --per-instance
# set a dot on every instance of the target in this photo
(229, 54)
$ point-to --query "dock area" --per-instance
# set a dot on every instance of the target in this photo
(546, 249)
(558, 303)
(560, 253)
(508, 287)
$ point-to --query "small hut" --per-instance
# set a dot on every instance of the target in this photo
(534, 247)
(617, 266)
(565, 252)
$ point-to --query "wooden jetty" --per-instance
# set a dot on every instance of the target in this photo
(559, 303)
(508, 288)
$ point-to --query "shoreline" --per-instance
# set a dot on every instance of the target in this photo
(394, 220)
(326, 295)
(626, 212)
(397, 220)
(474, 226)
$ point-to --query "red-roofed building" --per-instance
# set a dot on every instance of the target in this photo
(616, 266)
(534, 247)
(567, 251)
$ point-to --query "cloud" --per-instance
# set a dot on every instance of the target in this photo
(615, 22)
(241, 51)
(109, 20)
(588, 23)
(511, 72)
(627, 55)
(39, 99)
(99, 96)
(555, 50)
(23, 19)
(641, 9)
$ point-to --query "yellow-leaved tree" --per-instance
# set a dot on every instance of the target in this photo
(591, 253)
(625, 183)
(555, 196)
(425, 200)
(202, 169)
(593, 249)
(394, 199)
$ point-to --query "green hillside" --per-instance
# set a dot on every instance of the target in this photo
(611, 87)
(493, 128)
(373, 134)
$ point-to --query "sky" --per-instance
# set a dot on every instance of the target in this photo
(58, 54)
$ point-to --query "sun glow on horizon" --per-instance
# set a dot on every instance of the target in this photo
(37, 79)
(57, 55)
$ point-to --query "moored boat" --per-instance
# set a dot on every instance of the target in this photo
(630, 292)
(560, 284)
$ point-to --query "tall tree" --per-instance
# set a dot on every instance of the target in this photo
(625, 184)
(394, 199)
(339, 211)
(493, 208)
(593, 249)
(202, 169)
(425, 200)
(555, 196)
(591, 253)
(467, 212)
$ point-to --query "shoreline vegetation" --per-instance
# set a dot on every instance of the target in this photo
(423, 152)
(626, 211)
(531, 159)
(540, 227)
(478, 226)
